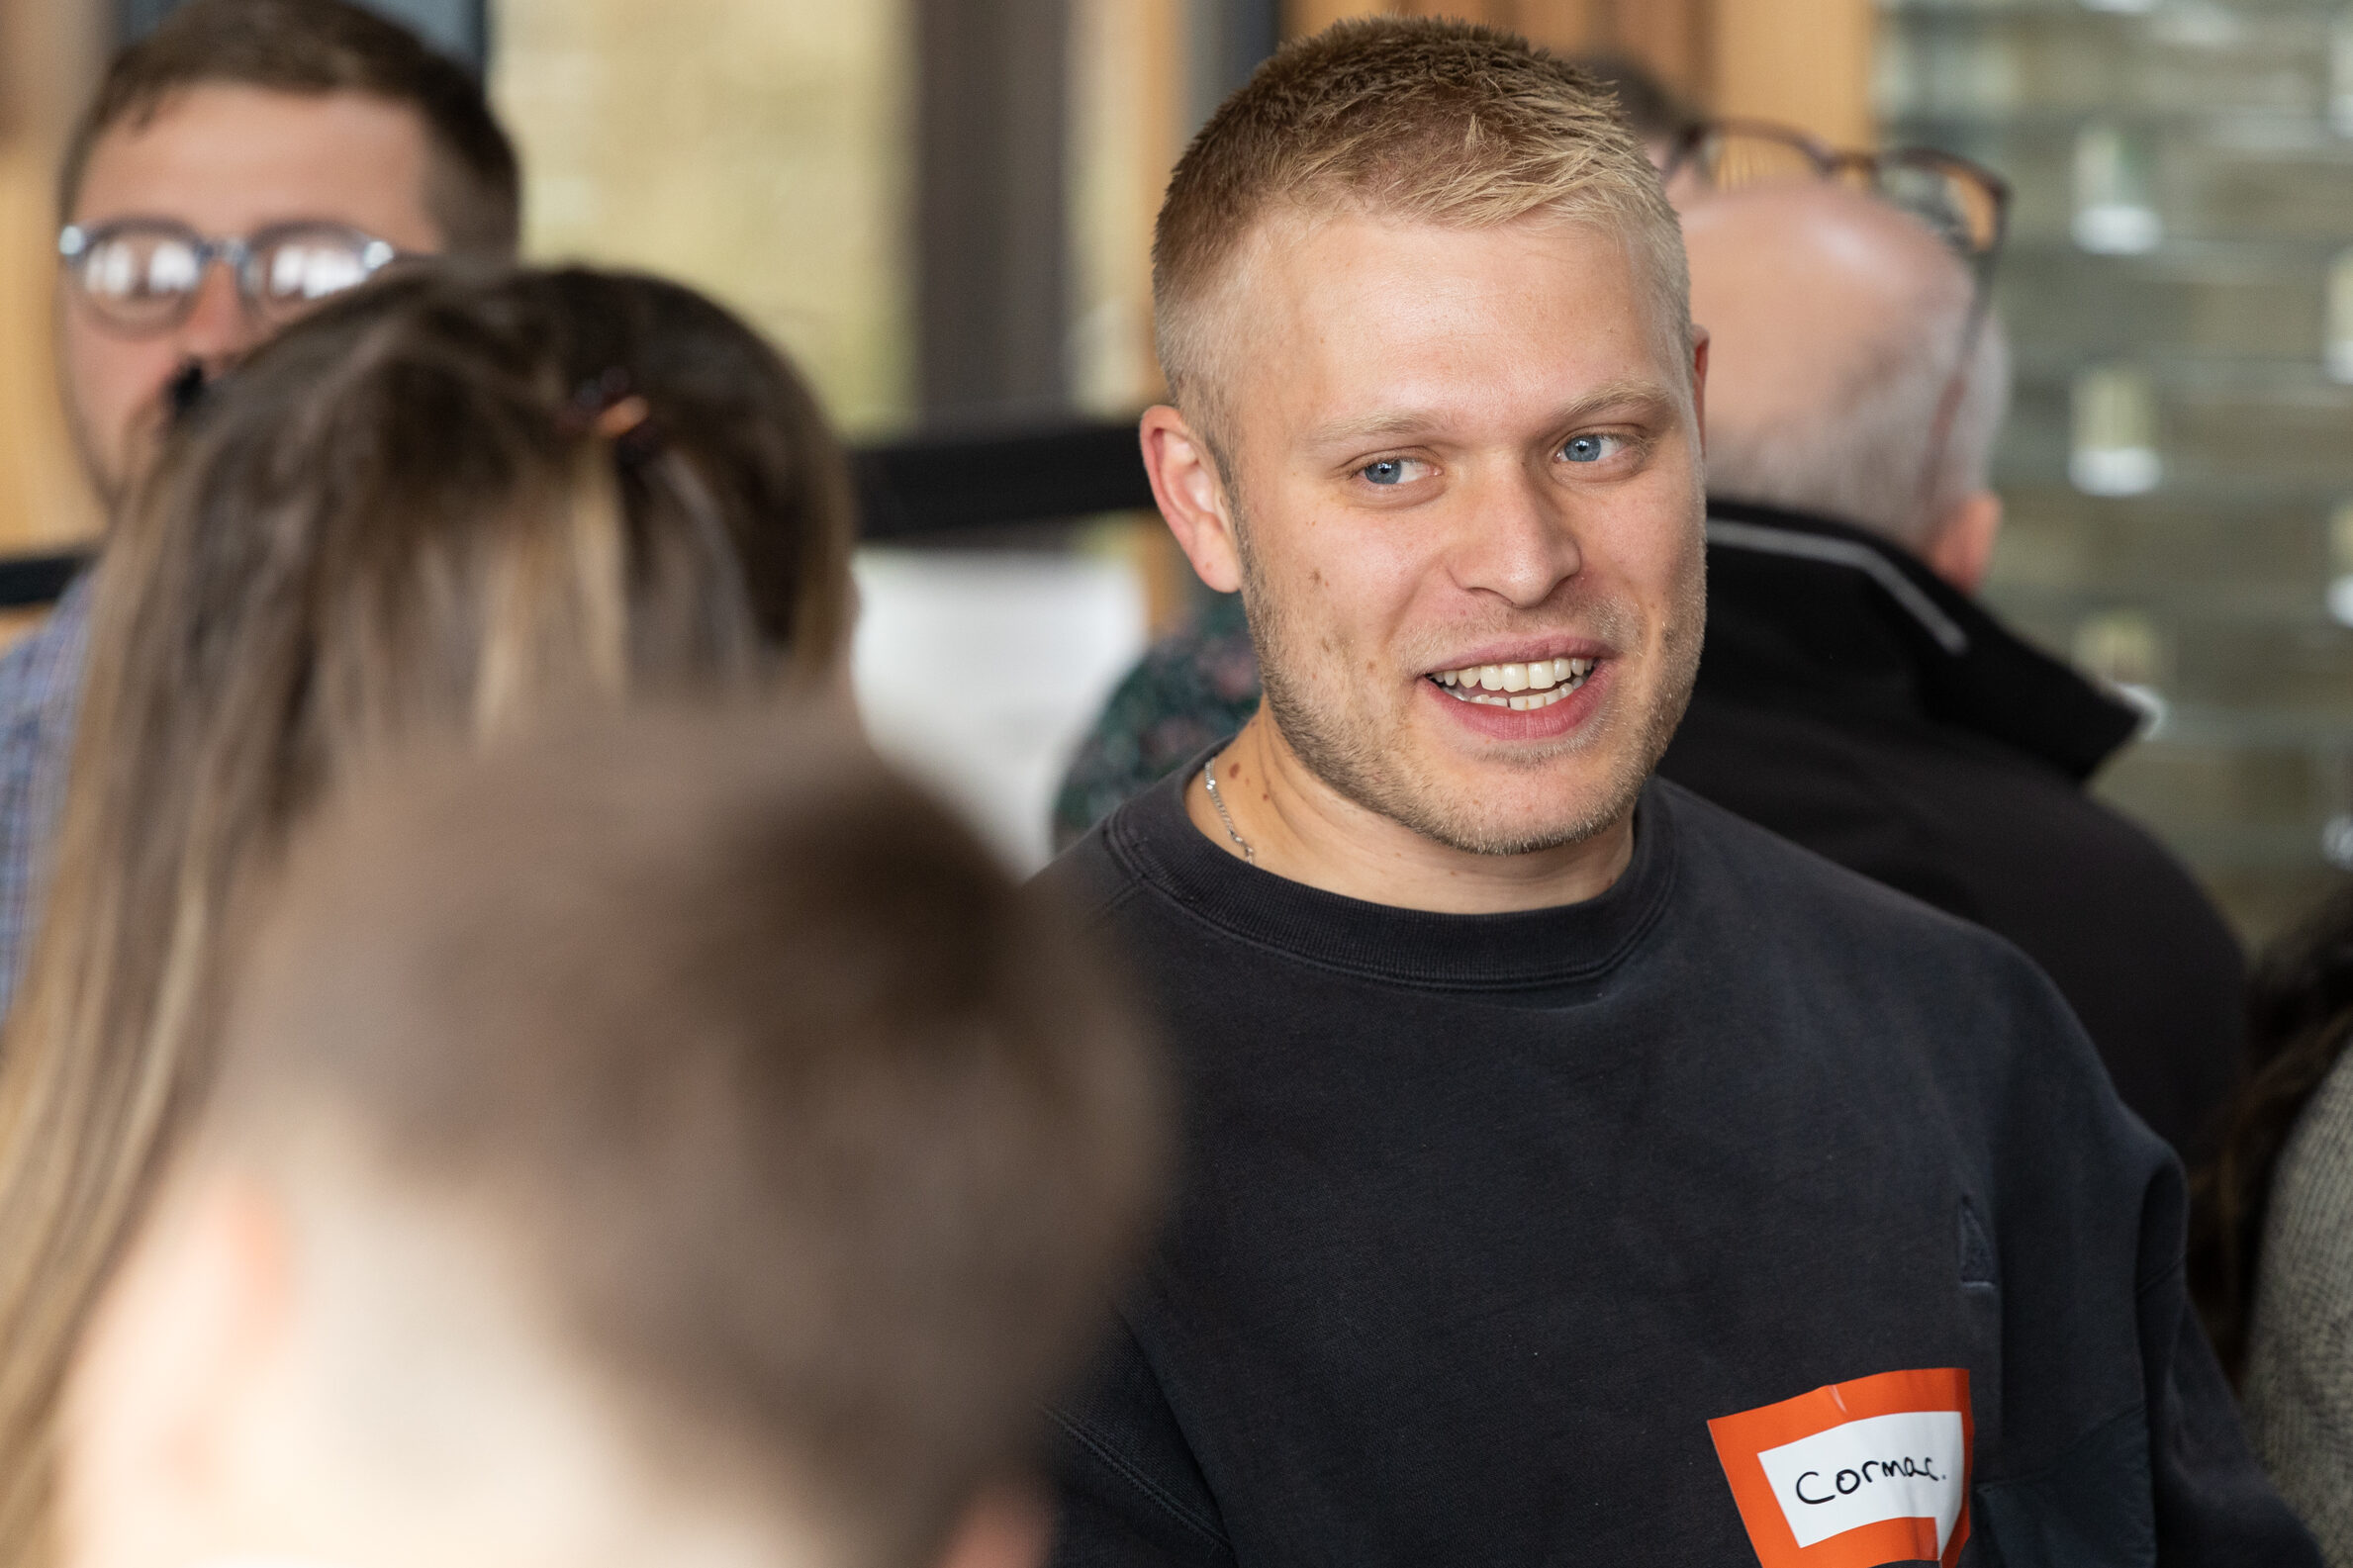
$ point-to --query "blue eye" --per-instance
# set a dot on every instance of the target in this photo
(1393, 473)
(1586, 448)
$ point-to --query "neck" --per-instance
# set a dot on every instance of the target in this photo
(423, 1404)
(1300, 828)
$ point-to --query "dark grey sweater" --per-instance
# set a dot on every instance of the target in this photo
(1639, 1232)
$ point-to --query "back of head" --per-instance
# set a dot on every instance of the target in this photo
(309, 47)
(1837, 322)
(447, 506)
(627, 441)
(1433, 122)
(811, 1142)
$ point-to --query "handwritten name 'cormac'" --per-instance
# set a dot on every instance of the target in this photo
(1849, 1481)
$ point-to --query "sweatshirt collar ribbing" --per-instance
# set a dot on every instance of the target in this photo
(1155, 842)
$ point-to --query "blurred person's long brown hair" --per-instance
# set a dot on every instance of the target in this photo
(439, 507)
(2300, 1020)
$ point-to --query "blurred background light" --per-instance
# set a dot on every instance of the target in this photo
(2113, 215)
(979, 673)
(2114, 450)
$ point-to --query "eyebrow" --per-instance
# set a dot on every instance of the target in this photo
(1394, 423)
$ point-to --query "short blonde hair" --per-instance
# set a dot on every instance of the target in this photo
(1442, 122)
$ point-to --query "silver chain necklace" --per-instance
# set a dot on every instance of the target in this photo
(1250, 857)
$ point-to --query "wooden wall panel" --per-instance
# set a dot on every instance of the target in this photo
(50, 52)
(1666, 35)
(1807, 63)
(1129, 113)
(45, 500)
(1560, 24)
(1302, 17)
(1674, 37)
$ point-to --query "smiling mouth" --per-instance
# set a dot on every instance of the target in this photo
(1538, 684)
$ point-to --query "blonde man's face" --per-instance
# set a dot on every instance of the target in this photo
(1465, 450)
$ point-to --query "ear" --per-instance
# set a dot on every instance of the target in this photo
(1962, 547)
(1192, 496)
(1699, 384)
(154, 1393)
(839, 693)
(1009, 1525)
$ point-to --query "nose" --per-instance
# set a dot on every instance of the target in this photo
(219, 330)
(1517, 541)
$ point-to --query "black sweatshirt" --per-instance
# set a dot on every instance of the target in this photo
(1852, 701)
(1486, 1219)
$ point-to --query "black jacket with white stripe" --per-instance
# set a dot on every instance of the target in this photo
(1852, 700)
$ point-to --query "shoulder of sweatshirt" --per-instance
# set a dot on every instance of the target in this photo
(1999, 1046)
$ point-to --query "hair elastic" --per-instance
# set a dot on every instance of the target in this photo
(607, 407)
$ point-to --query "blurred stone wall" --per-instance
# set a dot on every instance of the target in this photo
(2179, 460)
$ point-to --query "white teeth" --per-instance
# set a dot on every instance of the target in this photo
(1534, 675)
(1550, 683)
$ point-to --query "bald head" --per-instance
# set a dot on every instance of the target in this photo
(1835, 320)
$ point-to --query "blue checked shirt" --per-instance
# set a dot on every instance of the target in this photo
(40, 689)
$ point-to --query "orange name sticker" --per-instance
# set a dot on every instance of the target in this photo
(1857, 1474)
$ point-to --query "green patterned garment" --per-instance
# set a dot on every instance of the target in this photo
(1191, 690)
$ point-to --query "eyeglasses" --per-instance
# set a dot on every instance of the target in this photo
(142, 276)
(1964, 203)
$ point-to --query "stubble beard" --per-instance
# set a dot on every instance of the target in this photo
(1353, 757)
(106, 484)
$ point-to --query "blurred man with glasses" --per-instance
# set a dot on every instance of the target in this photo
(244, 160)
(1854, 696)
